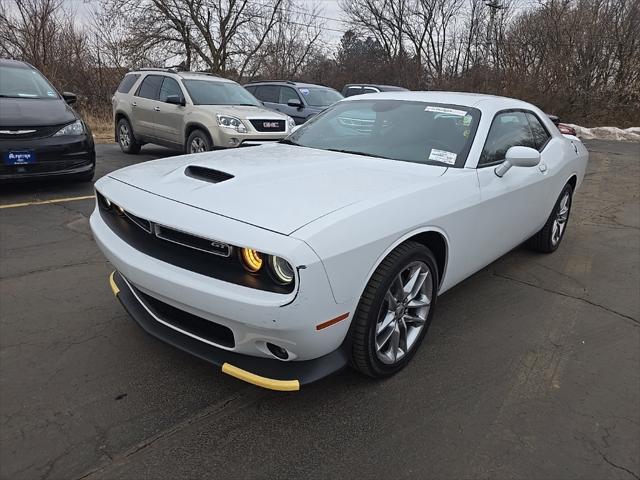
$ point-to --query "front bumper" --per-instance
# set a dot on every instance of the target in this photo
(55, 156)
(263, 372)
(227, 138)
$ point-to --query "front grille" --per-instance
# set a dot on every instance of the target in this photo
(197, 254)
(31, 132)
(208, 330)
(269, 125)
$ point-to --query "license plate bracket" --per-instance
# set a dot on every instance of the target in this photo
(19, 157)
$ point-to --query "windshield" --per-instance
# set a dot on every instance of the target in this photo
(420, 132)
(19, 82)
(320, 96)
(206, 92)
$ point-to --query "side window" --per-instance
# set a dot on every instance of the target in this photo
(150, 87)
(169, 87)
(508, 129)
(286, 94)
(268, 93)
(251, 90)
(351, 91)
(540, 134)
(127, 82)
(370, 90)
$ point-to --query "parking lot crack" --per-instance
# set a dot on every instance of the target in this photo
(620, 467)
(581, 299)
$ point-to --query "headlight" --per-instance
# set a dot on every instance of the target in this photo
(75, 128)
(251, 259)
(231, 122)
(281, 270)
(291, 122)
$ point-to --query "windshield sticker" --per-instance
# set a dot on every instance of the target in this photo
(51, 94)
(304, 91)
(466, 121)
(442, 156)
(450, 111)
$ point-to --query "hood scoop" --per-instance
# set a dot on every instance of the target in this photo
(207, 174)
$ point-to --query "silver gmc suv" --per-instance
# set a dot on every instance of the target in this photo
(193, 112)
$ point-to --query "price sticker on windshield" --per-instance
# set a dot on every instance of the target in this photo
(449, 111)
(443, 156)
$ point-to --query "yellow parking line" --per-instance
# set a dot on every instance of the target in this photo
(45, 202)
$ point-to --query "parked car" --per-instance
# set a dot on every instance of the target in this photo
(41, 136)
(352, 89)
(301, 101)
(191, 111)
(286, 262)
(563, 127)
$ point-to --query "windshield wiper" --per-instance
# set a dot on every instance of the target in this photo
(353, 152)
(286, 141)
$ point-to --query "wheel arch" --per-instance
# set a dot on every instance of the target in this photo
(119, 116)
(190, 127)
(573, 180)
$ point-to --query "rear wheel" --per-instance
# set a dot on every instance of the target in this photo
(548, 239)
(125, 137)
(395, 311)
(198, 142)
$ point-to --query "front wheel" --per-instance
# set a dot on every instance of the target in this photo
(198, 142)
(125, 137)
(395, 311)
(548, 239)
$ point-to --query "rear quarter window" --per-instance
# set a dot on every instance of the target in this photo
(127, 82)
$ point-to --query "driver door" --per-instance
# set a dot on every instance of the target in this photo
(512, 207)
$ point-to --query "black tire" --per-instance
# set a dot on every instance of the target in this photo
(363, 329)
(198, 137)
(128, 144)
(544, 241)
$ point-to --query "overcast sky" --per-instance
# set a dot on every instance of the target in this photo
(330, 10)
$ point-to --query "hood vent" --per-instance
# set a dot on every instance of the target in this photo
(207, 174)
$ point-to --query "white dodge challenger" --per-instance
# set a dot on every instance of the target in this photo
(286, 262)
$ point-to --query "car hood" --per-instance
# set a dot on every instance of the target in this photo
(243, 111)
(31, 112)
(277, 187)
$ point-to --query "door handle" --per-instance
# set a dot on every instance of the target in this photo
(134, 104)
(156, 109)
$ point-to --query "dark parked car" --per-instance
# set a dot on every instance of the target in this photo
(300, 101)
(359, 88)
(40, 134)
(564, 128)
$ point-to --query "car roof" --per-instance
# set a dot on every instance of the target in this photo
(477, 100)
(377, 85)
(7, 62)
(182, 74)
(284, 82)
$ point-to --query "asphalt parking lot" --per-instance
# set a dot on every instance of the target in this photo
(531, 368)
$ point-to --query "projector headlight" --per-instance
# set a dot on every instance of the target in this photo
(233, 123)
(281, 270)
(291, 122)
(75, 128)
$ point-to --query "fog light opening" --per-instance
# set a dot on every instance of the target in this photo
(277, 351)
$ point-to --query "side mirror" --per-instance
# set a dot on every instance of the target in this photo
(294, 102)
(69, 97)
(175, 100)
(518, 157)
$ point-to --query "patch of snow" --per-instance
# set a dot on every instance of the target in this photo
(631, 134)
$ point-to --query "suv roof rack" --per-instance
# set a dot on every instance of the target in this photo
(272, 81)
(200, 72)
(155, 69)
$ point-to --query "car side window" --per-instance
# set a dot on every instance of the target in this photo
(370, 90)
(286, 94)
(251, 90)
(169, 87)
(508, 129)
(150, 87)
(351, 91)
(127, 82)
(540, 134)
(268, 93)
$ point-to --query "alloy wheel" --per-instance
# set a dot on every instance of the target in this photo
(403, 313)
(560, 222)
(125, 140)
(197, 145)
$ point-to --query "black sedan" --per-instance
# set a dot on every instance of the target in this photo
(40, 134)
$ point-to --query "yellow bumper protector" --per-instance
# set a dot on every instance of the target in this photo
(114, 287)
(264, 382)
